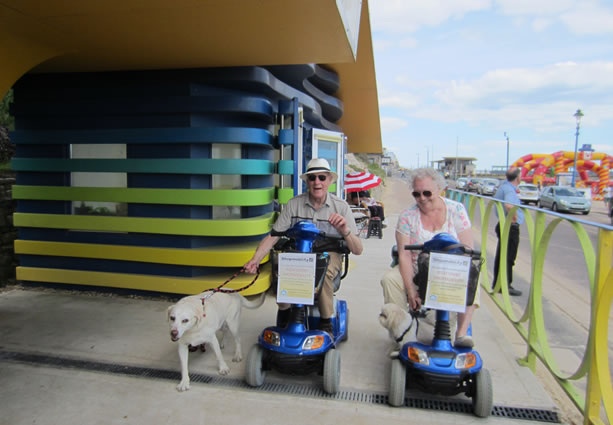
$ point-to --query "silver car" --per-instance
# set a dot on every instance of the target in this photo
(528, 193)
(488, 186)
(564, 198)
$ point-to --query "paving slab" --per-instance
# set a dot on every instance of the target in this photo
(133, 332)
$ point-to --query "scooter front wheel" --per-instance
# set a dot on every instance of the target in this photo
(483, 397)
(398, 380)
(332, 371)
(255, 373)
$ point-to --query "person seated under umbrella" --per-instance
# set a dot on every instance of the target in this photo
(363, 198)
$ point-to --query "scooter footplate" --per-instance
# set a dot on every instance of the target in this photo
(294, 365)
(437, 383)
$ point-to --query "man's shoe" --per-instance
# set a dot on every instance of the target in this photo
(326, 326)
(514, 292)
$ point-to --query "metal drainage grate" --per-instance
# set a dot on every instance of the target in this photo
(445, 405)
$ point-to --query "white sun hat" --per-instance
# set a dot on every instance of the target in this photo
(319, 165)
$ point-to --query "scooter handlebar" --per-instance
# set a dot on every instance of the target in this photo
(414, 247)
(472, 252)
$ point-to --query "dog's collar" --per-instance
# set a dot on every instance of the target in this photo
(203, 299)
(400, 338)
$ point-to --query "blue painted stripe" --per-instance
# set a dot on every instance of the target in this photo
(255, 136)
(159, 166)
(150, 105)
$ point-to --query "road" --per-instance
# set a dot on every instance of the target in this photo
(566, 293)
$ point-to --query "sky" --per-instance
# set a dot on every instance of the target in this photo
(453, 76)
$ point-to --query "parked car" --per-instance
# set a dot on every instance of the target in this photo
(528, 193)
(472, 185)
(461, 183)
(488, 186)
(563, 198)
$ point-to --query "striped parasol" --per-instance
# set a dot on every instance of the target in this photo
(358, 182)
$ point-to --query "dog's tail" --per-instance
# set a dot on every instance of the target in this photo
(257, 303)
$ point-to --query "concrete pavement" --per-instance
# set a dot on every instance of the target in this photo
(71, 358)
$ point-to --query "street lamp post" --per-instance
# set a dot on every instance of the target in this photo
(577, 116)
(507, 137)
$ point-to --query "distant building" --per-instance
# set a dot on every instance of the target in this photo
(455, 166)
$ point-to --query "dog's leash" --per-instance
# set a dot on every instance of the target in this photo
(221, 288)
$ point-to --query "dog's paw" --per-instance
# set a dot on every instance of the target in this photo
(224, 370)
(183, 386)
(238, 357)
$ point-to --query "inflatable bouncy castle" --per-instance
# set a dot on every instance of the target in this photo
(542, 168)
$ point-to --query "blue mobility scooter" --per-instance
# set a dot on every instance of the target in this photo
(298, 347)
(441, 368)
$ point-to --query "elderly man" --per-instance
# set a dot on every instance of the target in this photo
(329, 214)
(507, 192)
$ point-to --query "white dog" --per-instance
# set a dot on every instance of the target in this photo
(398, 323)
(195, 319)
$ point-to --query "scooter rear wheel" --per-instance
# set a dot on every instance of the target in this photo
(483, 397)
(332, 371)
(398, 380)
(255, 373)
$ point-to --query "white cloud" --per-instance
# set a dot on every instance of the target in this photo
(391, 124)
(407, 43)
(541, 24)
(535, 8)
(399, 100)
(579, 16)
(381, 45)
(548, 84)
(589, 19)
(401, 16)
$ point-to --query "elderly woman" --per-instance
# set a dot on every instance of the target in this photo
(432, 214)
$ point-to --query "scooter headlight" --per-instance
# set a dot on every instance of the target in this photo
(418, 356)
(465, 361)
(272, 338)
(313, 342)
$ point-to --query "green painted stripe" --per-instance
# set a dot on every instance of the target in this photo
(285, 195)
(170, 284)
(228, 255)
(166, 226)
(163, 166)
(286, 167)
(243, 197)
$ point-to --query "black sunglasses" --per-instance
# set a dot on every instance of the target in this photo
(321, 177)
(426, 193)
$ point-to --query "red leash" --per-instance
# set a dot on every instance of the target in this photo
(210, 292)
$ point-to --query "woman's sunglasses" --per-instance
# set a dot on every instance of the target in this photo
(426, 193)
(321, 177)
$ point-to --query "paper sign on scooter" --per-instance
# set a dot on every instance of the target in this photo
(447, 282)
(296, 278)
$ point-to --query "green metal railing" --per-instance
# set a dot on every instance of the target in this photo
(597, 399)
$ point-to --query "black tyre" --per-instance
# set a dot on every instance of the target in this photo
(332, 371)
(255, 373)
(538, 204)
(483, 394)
(398, 381)
(554, 207)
